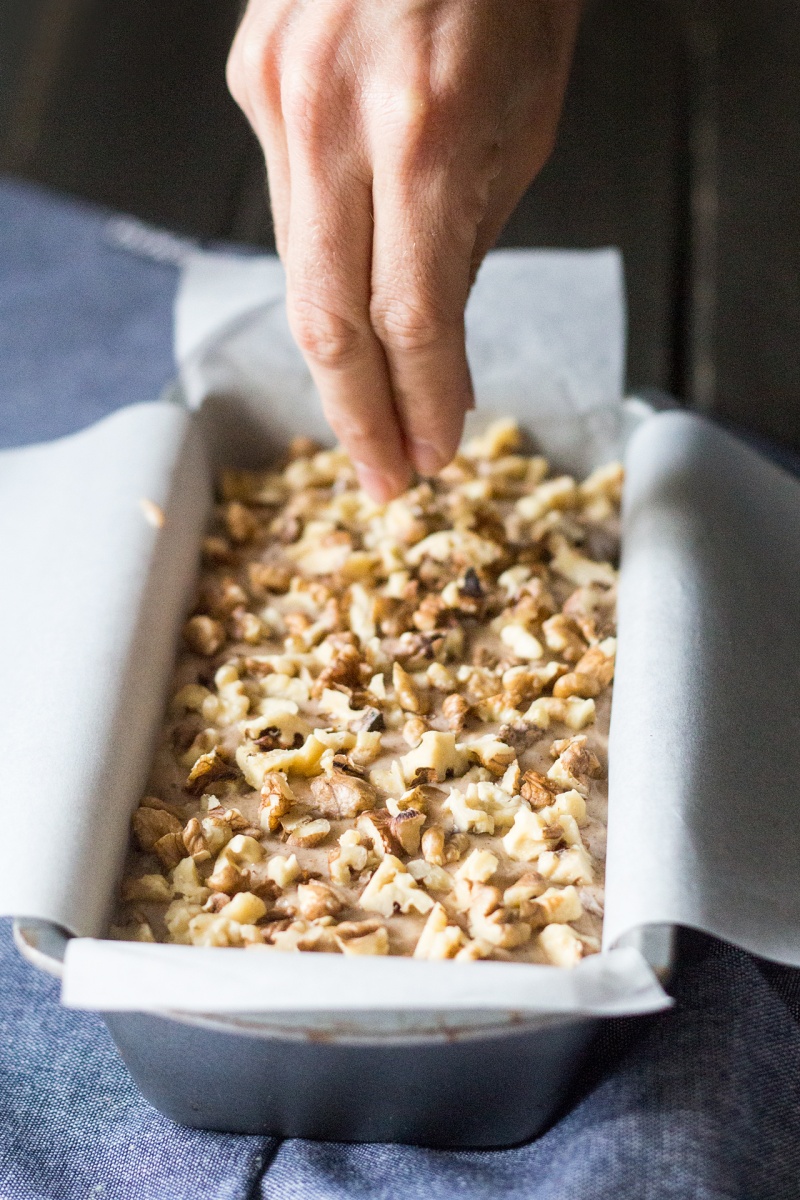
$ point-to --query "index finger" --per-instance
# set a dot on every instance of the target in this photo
(421, 257)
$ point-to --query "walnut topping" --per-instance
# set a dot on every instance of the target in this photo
(407, 695)
(269, 577)
(413, 729)
(537, 789)
(204, 635)
(339, 794)
(316, 899)
(438, 755)
(593, 672)
(170, 849)
(341, 659)
(194, 840)
(374, 942)
(152, 888)
(208, 768)
(561, 945)
(309, 833)
(455, 710)
(575, 765)
(370, 720)
(240, 522)
(348, 858)
(392, 888)
(151, 824)
(276, 800)
(487, 920)
(375, 829)
(438, 938)
(406, 829)
(490, 752)
(433, 845)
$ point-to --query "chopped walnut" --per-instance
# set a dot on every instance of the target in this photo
(374, 942)
(309, 833)
(348, 858)
(406, 829)
(575, 765)
(341, 795)
(438, 755)
(392, 888)
(316, 899)
(413, 729)
(455, 710)
(151, 824)
(276, 800)
(207, 769)
(439, 939)
(204, 635)
(170, 849)
(153, 888)
(487, 920)
(561, 945)
(194, 840)
(433, 845)
(407, 695)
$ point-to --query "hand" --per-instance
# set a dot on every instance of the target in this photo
(399, 135)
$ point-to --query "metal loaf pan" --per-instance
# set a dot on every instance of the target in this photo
(483, 1082)
(476, 1080)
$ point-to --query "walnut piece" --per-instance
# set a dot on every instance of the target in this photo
(204, 635)
(341, 795)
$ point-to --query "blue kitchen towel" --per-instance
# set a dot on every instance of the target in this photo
(701, 1103)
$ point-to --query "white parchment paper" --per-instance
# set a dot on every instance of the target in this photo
(89, 609)
(126, 976)
(546, 342)
(704, 752)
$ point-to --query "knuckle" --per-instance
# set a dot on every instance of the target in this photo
(406, 323)
(234, 74)
(303, 99)
(255, 52)
(251, 61)
(326, 338)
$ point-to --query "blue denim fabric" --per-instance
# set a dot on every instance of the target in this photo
(702, 1103)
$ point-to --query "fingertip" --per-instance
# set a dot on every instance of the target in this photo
(431, 456)
(382, 486)
(427, 458)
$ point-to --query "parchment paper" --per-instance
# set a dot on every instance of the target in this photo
(89, 609)
(704, 754)
(546, 343)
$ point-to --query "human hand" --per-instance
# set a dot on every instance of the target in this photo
(399, 136)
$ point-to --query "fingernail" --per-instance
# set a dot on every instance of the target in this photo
(376, 484)
(427, 458)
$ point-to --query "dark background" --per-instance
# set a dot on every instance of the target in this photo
(680, 143)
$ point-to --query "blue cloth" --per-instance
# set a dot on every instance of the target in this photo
(701, 1103)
